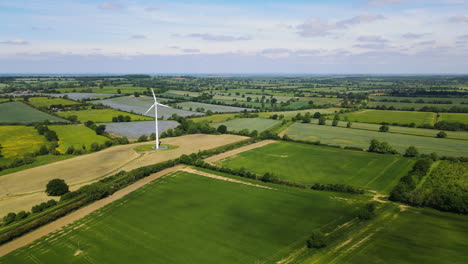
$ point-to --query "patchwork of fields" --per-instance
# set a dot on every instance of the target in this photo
(361, 138)
(18, 140)
(44, 102)
(16, 112)
(101, 115)
(141, 104)
(214, 220)
(192, 106)
(315, 164)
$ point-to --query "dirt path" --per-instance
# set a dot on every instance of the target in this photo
(239, 150)
(68, 219)
(23, 189)
(206, 174)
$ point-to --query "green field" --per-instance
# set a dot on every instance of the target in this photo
(16, 112)
(400, 117)
(45, 102)
(76, 136)
(259, 124)
(400, 129)
(315, 164)
(187, 218)
(454, 117)
(102, 115)
(361, 138)
(18, 140)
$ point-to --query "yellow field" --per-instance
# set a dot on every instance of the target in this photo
(17, 140)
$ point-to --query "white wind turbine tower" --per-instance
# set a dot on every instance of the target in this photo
(155, 105)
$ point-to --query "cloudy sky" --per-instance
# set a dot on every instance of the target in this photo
(234, 36)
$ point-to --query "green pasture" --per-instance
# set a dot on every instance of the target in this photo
(18, 140)
(316, 164)
(259, 124)
(361, 138)
(101, 115)
(187, 218)
(454, 117)
(400, 117)
(408, 106)
(16, 112)
(45, 102)
(76, 136)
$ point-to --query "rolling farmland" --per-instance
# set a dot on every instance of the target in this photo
(315, 164)
(16, 112)
(454, 117)
(211, 230)
(44, 102)
(361, 138)
(192, 106)
(18, 140)
(141, 104)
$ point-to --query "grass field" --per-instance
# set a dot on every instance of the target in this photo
(18, 140)
(141, 104)
(188, 218)
(217, 118)
(259, 124)
(400, 117)
(361, 138)
(16, 112)
(454, 117)
(102, 115)
(400, 129)
(314, 164)
(402, 235)
(79, 96)
(76, 136)
(45, 102)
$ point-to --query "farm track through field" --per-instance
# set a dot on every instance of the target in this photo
(21, 190)
(238, 150)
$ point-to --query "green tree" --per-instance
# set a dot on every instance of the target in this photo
(349, 124)
(43, 150)
(384, 128)
(442, 134)
(1, 150)
(9, 218)
(152, 136)
(322, 120)
(335, 122)
(143, 138)
(317, 240)
(56, 187)
(222, 129)
(317, 115)
(411, 151)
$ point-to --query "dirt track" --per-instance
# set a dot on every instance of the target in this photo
(21, 190)
(238, 150)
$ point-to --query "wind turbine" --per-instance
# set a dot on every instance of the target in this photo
(155, 105)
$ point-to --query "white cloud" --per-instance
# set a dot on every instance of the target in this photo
(138, 36)
(383, 2)
(15, 42)
(376, 39)
(413, 35)
(110, 6)
(459, 19)
(212, 37)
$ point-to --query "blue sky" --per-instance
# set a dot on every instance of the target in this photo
(214, 36)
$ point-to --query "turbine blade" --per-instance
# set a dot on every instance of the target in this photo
(163, 105)
(154, 96)
(149, 109)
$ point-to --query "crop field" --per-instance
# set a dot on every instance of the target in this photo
(259, 124)
(192, 106)
(315, 164)
(141, 104)
(16, 112)
(400, 117)
(216, 118)
(400, 130)
(289, 114)
(408, 106)
(136, 129)
(79, 96)
(44, 102)
(76, 136)
(186, 217)
(101, 115)
(18, 140)
(427, 100)
(361, 138)
(454, 117)
(105, 90)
